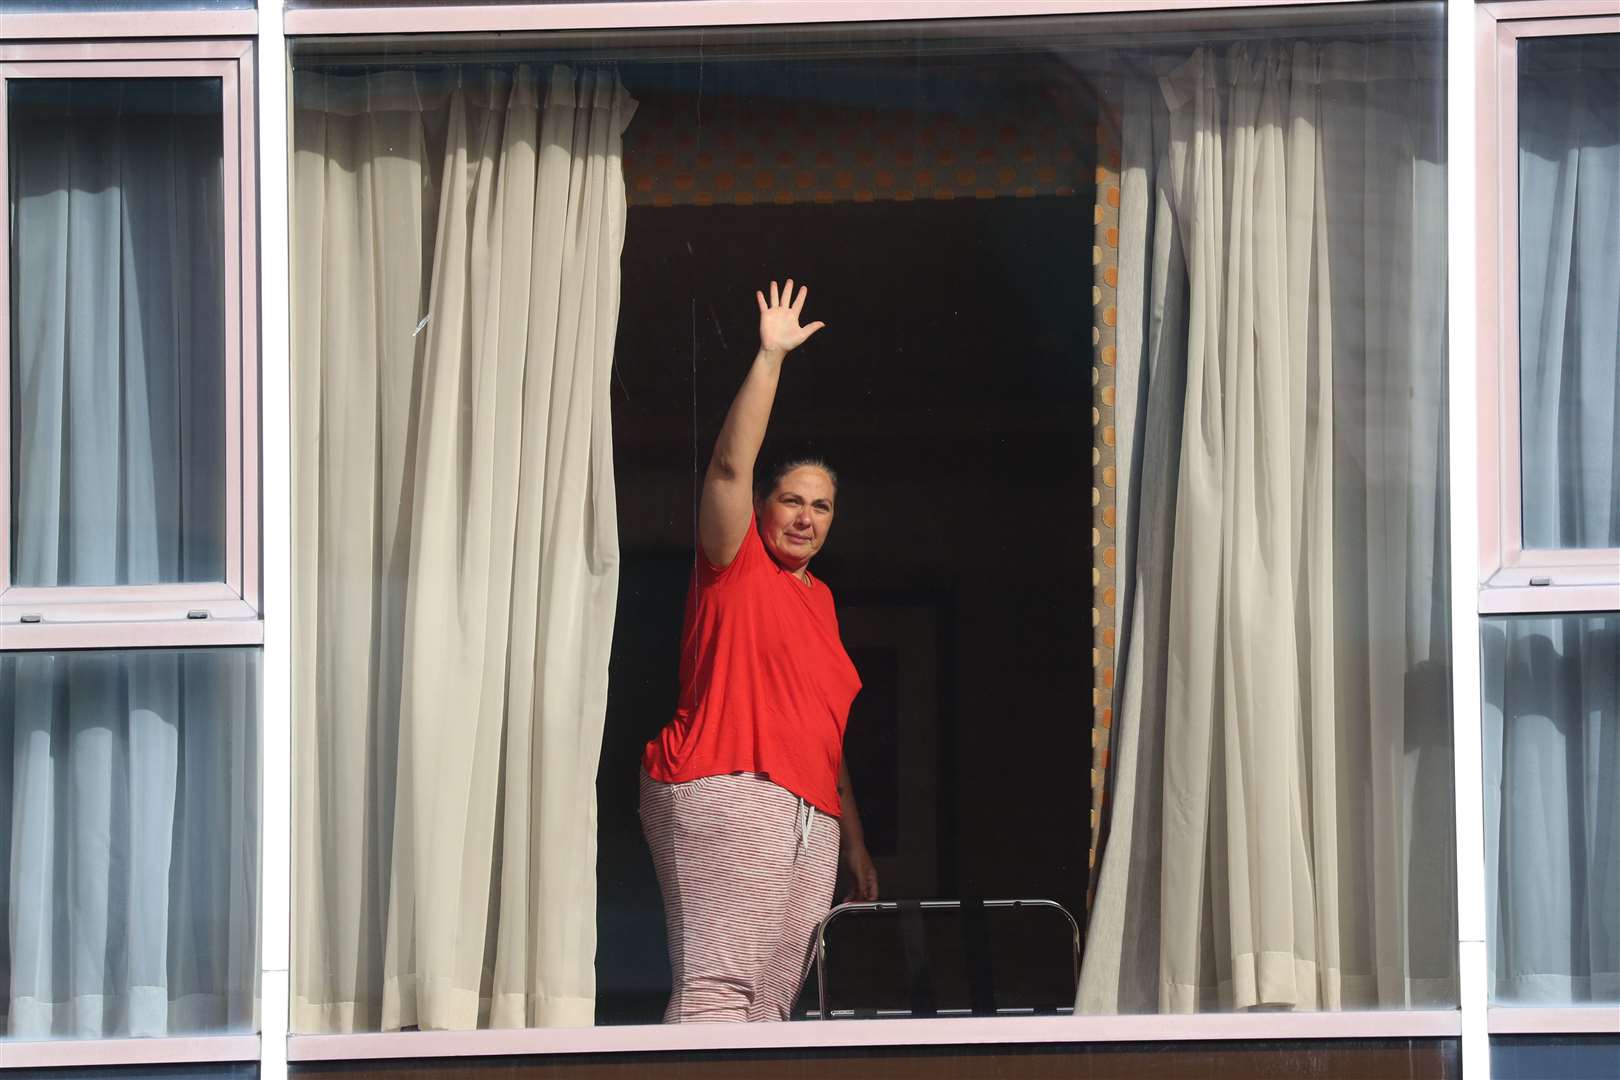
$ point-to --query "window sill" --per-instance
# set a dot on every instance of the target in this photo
(168, 630)
(1510, 599)
(1438, 1023)
(87, 1053)
(1554, 1020)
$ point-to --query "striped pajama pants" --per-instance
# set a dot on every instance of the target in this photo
(747, 872)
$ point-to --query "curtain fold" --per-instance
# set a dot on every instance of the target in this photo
(128, 780)
(1552, 683)
(1282, 718)
(458, 555)
(1569, 291)
(1552, 797)
(120, 345)
(131, 841)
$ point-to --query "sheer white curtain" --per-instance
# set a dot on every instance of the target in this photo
(119, 366)
(128, 781)
(130, 808)
(1569, 290)
(457, 278)
(1552, 805)
(1552, 683)
(1280, 831)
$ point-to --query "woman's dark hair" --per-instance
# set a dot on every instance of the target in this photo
(765, 480)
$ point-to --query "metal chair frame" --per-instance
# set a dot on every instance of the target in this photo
(818, 944)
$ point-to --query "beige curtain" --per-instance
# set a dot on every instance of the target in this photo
(456, 279)
(1282, 720)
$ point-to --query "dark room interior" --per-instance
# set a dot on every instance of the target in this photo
(951, 392)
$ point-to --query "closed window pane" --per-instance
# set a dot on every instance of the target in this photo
(1555, 1057)
(1569, 290)
(118, 331)
(129, 794)
(1552, 796)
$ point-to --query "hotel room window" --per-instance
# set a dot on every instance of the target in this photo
(129, 631)
(1134, 377)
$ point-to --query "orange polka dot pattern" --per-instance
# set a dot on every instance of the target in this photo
(743, 155)
(1104, 495)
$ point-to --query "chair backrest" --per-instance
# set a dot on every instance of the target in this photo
(944, 958)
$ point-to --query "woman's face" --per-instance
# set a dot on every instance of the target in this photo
(795, 520)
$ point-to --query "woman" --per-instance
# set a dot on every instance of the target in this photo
(745, 799)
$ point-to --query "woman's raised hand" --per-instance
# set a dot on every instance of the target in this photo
(779, 329)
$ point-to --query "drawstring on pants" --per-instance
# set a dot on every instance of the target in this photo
(807, 815)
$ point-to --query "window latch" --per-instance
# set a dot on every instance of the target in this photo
(197, 613)
(32, 617)
(1541, 581)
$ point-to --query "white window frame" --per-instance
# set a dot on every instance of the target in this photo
(191, 613)
(174, 44)
(641, 14)
(92, 28)
(1513, 580)
(1473, 337)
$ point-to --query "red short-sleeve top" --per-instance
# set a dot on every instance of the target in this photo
(765, 682)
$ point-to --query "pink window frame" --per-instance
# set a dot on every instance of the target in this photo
(101, 1053)
(1576, 580)
(1240, 1027)
(1441, 1023)
(454, 18)
(83, 25)
(1513, 578)
(194, 613)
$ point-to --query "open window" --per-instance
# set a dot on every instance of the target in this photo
(1134, 376)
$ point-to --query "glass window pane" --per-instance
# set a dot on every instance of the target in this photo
(129, 795)
(1555, 1057)
(1133, 377)
(1569, 290)
(118, 331)
(1552, 793)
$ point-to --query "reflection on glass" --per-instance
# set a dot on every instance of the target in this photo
(1555, 1057)
(118, 338)
(1110, 425)
(1569, 290)
(1552, 795)
(129, 794)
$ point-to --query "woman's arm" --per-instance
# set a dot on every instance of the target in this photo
(853, 841)
(728, 485)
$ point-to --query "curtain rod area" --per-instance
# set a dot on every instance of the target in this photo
(921, 40)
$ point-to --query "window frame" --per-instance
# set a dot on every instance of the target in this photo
(514, 15)
(179, 614)
(1568, 581)
(1514, 579)
(615, 15)
(1474, 289)
(152, 616)
(163, 23)
(114, 1053)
